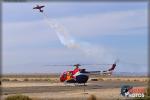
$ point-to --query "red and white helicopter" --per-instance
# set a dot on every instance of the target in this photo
(81, 76)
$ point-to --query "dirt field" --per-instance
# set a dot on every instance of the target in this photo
(44, 88)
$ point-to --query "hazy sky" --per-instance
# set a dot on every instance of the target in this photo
(105, 32)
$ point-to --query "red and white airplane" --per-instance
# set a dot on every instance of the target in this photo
(39, 8)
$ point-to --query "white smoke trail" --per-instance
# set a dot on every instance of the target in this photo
(91, 51)
(62, 34)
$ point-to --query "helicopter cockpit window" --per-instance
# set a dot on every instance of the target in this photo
(64, 75)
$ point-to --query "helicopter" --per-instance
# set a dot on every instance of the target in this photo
(81, 76)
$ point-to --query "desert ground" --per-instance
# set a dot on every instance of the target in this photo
(48, 87)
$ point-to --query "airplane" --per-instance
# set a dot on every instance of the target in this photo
(81, 76)
(39, 8)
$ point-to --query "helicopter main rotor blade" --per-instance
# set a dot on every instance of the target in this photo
(94, 64)
(58, 65)
(80, 65)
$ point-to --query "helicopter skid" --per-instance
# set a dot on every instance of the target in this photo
(75, 84)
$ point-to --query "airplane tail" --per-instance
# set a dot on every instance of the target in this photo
(41, 10)
(113, 65)
(110, 70)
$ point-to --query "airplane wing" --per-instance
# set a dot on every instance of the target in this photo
(42, 6)
(35, 8)
(38, 7)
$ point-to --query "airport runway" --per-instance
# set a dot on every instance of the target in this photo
(67, 88)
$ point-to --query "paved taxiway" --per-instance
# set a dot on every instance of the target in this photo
(59, 87)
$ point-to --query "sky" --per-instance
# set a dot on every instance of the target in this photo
(97, 33)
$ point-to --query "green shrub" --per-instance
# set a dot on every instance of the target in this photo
(92, 97)
(100, 79)
(118, 79)
(5, 79)
(148, 91)
(14, 80)
(18, 97)
(94, 79)
(26, 79)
